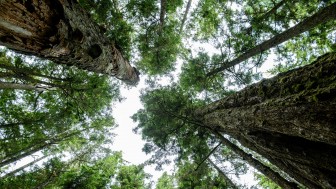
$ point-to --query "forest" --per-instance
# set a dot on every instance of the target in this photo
(229, 88)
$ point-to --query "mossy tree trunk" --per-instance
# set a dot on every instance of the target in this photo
(61, 31)
(289, 119)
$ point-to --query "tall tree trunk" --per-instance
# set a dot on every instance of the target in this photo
(324, 15)
(222, 174)
(61, 31)
(290, 118)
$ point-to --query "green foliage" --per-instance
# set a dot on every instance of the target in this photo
(207, 17)
(71, 115)
(193, 74)
(93, 176)
(193, 77)
(130, 177)
(165, 182)
(164, 115)
(203, 177)
(158, 43)
(173, 5)
(159, 47)
(142, 9)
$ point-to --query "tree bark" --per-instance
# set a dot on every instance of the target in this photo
(61, 31)
(324, 15)
(289, 119)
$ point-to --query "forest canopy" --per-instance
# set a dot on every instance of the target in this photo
(209, 104)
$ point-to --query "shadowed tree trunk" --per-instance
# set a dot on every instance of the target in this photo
(289, 119)
(61, 31)
(324, 15)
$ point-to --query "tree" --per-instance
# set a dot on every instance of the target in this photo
(259, 118)
(23, 167)
(63, 32)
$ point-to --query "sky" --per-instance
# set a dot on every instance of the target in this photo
(126, 140)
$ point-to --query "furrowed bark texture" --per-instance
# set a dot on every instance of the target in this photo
(61, 31)
(290, 118)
